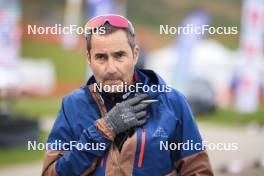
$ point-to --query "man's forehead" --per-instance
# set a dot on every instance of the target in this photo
(109, 51)
(116, 41)
(118, 36)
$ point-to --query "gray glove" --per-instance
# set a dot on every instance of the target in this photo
(127, 114)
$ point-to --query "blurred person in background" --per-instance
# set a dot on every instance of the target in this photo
(127, 128)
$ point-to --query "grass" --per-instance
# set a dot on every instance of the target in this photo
(21, 155)
(230, 117)
(70, 65)
(37, 107)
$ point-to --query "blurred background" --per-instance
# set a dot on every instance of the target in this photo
(221, 75)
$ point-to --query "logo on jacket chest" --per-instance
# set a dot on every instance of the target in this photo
(160, 132)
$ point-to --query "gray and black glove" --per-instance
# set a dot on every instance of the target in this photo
(127, 114)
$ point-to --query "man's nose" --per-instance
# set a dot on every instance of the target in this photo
(111, 66)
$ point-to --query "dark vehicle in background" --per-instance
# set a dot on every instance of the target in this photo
(201, 96)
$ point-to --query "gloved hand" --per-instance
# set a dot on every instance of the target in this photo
(127, 114)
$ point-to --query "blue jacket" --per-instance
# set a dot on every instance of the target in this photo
(154, 149)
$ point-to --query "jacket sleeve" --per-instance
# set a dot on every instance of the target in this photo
(191, 159)
(74, 160)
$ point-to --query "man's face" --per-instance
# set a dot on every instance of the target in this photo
(112, 59)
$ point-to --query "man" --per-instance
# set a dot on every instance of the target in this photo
(129, 132)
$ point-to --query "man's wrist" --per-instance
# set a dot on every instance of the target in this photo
(104, 129)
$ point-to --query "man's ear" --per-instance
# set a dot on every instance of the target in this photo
(88, 56)
(135, 54)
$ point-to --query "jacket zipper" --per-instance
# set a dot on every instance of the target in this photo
(142, 147)
(102, 162)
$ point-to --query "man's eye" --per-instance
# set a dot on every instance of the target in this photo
(100, 57)
(119, 55)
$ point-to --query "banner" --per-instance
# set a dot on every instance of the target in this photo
(247, 90)
(72, 16)
(10, 13)
(100, 7)
(182, 72)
